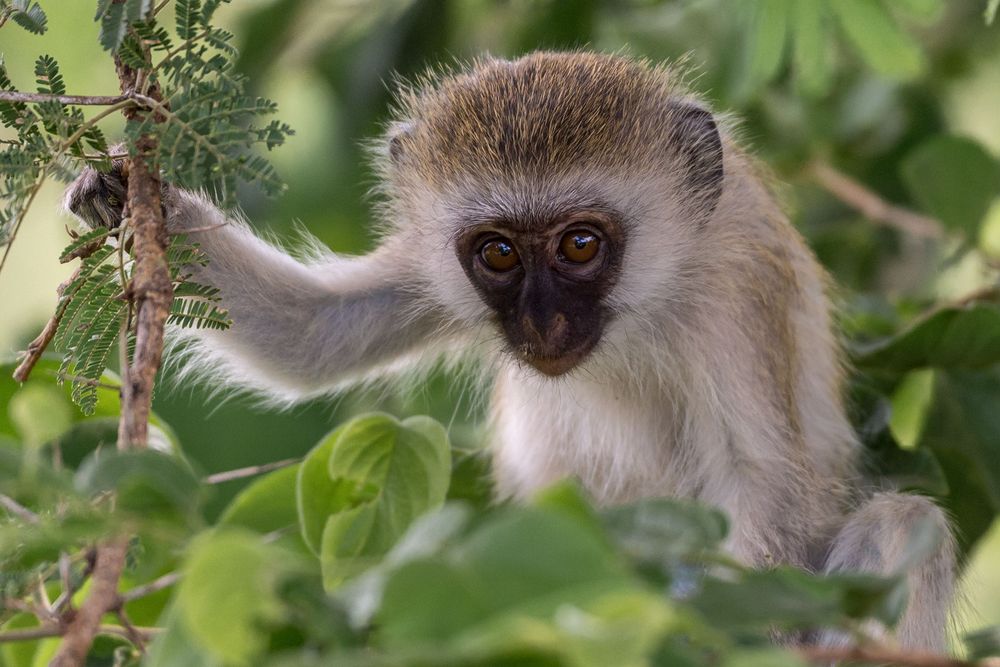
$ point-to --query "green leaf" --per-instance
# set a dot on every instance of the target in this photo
(661, 530)
(956, 337)
(30, 17)
(886, 47)
(40, 413)
(268, 505)
(990, 13)
(364, 484)
(811, 55)
(528, 578)
(789, 598)
(953, 179)
(146, 482)
(47, 76)
(983, 643)
(188, 16)
(961, 429)
(114, 26)
(765, 43)
(228, 592)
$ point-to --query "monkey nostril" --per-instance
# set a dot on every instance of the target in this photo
(545, 335)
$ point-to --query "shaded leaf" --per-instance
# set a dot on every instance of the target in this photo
(954, 179)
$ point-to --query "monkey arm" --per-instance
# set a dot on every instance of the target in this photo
(298, 328)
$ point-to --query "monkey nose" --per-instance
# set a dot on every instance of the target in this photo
(548, 334)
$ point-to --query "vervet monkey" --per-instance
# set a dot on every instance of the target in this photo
(655, 325)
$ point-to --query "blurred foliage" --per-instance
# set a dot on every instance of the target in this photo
(900, 95)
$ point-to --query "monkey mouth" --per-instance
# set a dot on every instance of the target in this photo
(555, 364)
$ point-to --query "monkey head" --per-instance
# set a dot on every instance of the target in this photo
(550, 176)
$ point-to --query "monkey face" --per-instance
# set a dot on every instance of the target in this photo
(546, 282)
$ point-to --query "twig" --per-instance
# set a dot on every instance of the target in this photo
(17, 508)
(46, 631)
(103, 597)
(249, 471)
(83, 100)
(37, 347)
(166, 581)
(871, 205)
(878, 655)
(131, 630)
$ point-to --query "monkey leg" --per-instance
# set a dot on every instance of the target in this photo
(874, 539)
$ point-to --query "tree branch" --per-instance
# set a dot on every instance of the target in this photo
(103, 597)
(151, 289)
(37, 347)
(870, 204)
(83, 100)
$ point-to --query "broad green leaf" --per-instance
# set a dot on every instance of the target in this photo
(983, 643)
(925, 11)
(765, 43)
(364, 484)
(521, 560)
(18, 654)
(886, 47)
(789, 598)
(811, 57)
(961, 429)
(663, 530)
(428, 536)
(267, 505)
(40, 413)
(990, 13)
(528, 579)
(953, 179)
(146, 482)
(176, 647)
(227, 594)
(955, 337)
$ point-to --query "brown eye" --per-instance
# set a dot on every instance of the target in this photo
(499, 255)
(579, 246)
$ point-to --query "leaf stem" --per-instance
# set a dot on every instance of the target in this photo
(249, 471)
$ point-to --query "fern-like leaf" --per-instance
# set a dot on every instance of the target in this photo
(48, 77)
(82, 241)
(198, 314)
(29, 15)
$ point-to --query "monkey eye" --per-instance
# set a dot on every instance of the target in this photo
(579, 246)
(499, 254)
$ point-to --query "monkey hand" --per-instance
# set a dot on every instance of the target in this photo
(98, 198)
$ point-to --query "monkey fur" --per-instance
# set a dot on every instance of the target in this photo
(693, 356)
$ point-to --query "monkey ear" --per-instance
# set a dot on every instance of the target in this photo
(697, 147)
